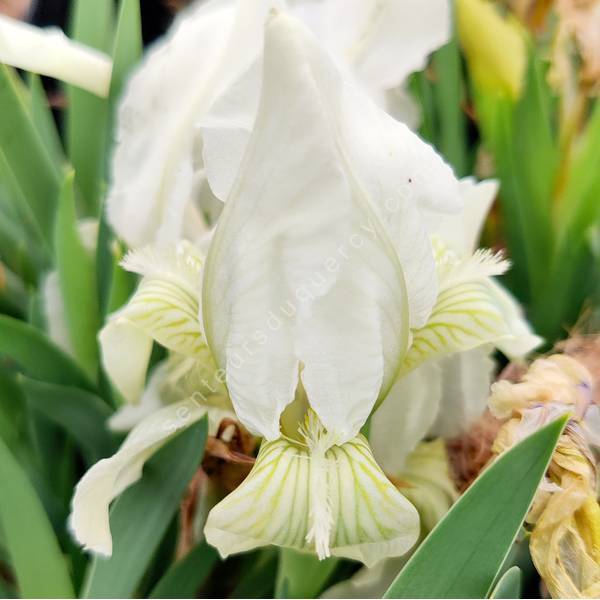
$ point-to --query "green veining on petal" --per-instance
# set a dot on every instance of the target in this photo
(370, 518)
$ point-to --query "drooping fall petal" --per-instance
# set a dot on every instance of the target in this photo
(370, 519)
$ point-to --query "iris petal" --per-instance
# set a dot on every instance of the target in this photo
(370, 519)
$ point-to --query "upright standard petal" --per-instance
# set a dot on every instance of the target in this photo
(378, 42)
(157, 162)
(320, 261)
(50, 52)
(398, 39)
(383, 40)
(226, 130)
(156, 188)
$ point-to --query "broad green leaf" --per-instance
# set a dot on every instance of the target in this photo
(184, 578)
(76, 274)
(82, 414)
(104, 262)
(128, 46)
(44, 121)
(449, 96)
(50, 467)
(15, 252)
(36, 557)
(536, 155)
(527, 164)
(579, 208)
(524, 150)
(302, 575)
(496, 123)
(37, 356)
(6, 590)
(141, 515)
(569, 276)
(18, 221)
(467, 548)
(509, 585)
(13, 295)
(26, 154)
(12, 414)
(570, 280)
(87, 114)
(258, 572)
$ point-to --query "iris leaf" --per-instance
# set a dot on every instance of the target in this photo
(76, 274)
(37, 356)
(114, 283)
(29, 250)
(141, 515)
(258, 570)
(25, 152)
(128, 45)
(44, 121)
(87, 114)
(462, 555)
(82, 414)
(36, 557)
(184, 577)
(302, 575)
(449, 96)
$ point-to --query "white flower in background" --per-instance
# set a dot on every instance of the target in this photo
(197, 92)
(445, 394)
(181, 390)
(49, 52)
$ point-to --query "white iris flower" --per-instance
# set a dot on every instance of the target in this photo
(321, 288)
